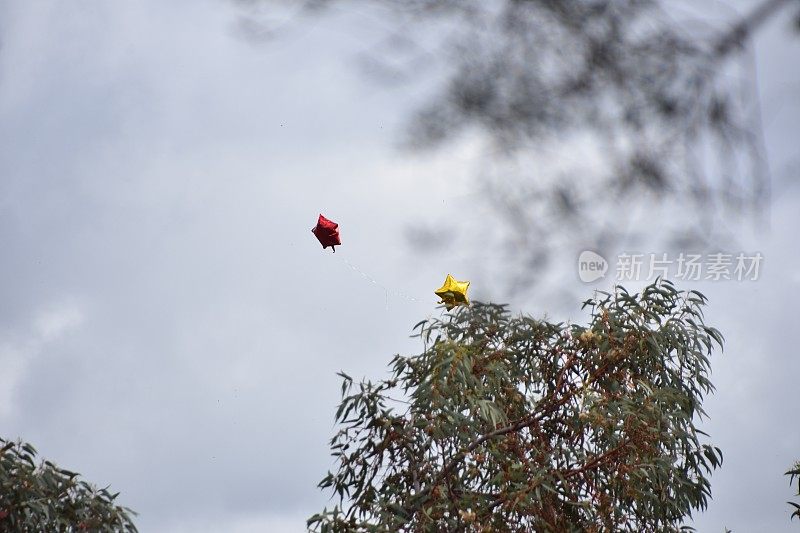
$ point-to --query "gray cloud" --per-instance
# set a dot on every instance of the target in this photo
(173, 325)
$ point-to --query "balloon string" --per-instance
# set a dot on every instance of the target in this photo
(386, 291)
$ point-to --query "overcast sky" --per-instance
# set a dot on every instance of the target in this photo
(170, 326)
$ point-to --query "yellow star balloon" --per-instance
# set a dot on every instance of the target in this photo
(453, 292)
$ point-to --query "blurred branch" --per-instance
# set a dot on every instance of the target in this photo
(748, 24)
(589, 111)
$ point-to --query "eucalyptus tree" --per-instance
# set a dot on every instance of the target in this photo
(512, 423)
(40, 496)
(795, 474)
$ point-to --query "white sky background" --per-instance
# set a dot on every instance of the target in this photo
(170, 326)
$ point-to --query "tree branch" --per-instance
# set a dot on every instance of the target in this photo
(745, 28)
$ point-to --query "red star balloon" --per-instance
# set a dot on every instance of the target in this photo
(327, 231)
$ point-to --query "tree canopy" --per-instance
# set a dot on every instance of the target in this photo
(511, 423)
(43, 497)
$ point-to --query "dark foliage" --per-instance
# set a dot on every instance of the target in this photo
(36, 498)
(795, 474)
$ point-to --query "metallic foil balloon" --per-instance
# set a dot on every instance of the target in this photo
(327, 232)
(453, 292)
